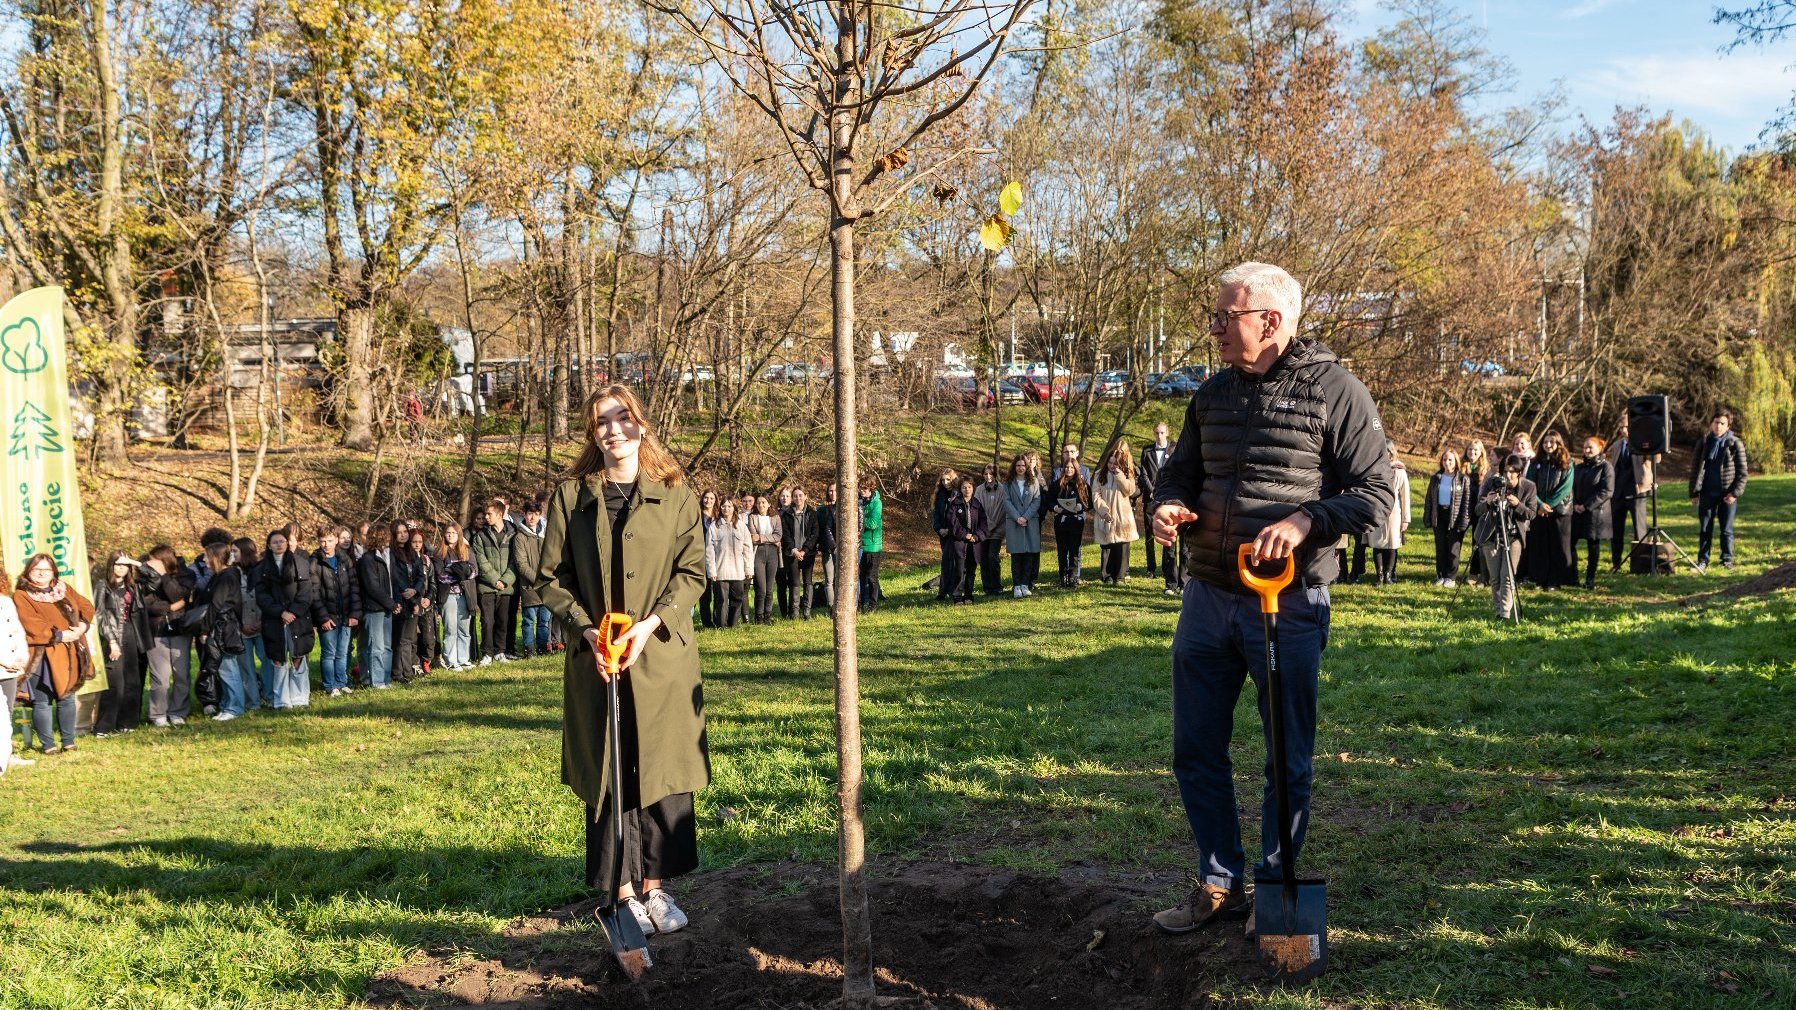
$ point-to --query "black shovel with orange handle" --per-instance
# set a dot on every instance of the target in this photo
(628, 944)
(1290, 933)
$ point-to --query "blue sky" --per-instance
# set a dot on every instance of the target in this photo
(1663, 54)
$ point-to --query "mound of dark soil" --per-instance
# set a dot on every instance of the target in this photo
(1781, 577)
(946, 936)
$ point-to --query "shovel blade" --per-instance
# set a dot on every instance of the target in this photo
(628, 945)
(1291, 937)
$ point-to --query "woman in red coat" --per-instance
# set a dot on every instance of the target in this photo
(56, 619)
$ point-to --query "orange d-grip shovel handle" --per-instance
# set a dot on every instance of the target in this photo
(1268, 589)
(611, 651)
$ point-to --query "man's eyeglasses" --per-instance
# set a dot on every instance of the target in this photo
(1223, 317)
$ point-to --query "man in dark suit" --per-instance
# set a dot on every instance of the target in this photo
(1717, 480)
(800, 533)
(1153, 457)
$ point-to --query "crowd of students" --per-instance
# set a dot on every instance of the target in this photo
(386, 603)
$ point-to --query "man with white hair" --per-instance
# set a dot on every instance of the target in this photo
(1283, 450)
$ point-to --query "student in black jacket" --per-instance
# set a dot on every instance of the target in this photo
(1447, 510)
(1508, 504)
(800, 533)
(340, 603)
(966, 531)
(1159, 556)
(124, 627)
(221, 635)
(287, 595)
(1593, 486)
(1717, 480)
(1068, 501)
(412, 576)
(945, 490)
(380, 605)
(826, 543)
(169, 659)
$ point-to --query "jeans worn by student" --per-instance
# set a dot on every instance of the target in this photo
(48, 713)
(230, 686)
(170, 669)
(377, 669)
(1219, 644)
(534, 636)
(1711, 510)
(333, 657)
(253, 662)
(458, 630)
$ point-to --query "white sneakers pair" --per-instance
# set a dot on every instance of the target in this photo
(1445, 583)
(1021, 591)
(658, 914)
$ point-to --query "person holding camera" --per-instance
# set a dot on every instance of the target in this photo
(1717, 480)
(1507, 505)
(1283, 450)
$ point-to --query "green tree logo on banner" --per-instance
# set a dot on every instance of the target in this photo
(22, 349)
(32, 433)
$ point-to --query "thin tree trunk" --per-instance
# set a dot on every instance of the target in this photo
(380, 458)
(857, 919)
(463, 510)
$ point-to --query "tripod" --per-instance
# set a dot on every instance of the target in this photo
(1656, 536)
(1505, 533)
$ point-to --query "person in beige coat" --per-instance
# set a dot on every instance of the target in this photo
(1112, 502)
(1387, 536)
(729, 563)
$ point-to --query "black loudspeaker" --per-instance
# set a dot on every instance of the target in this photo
(1649, 424)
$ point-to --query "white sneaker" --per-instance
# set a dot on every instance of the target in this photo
(175, 720)
(1028, 591)
(16, 761)
(1169, 591)
(1448, 583)
(382, 687)
(486, 661)
(1017, 593)
(224, 717)
(666, 915)
(641, 914)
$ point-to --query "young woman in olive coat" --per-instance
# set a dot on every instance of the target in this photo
(623, 534)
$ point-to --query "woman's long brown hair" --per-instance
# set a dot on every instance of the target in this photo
(652, 458)
(1561, 456)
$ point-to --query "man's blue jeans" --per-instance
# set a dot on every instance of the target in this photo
(1708, 509)
(1219, 643)
(333, 657)
(535, 635)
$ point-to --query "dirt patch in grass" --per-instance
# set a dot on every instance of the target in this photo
(1781, 577)
(949, 936)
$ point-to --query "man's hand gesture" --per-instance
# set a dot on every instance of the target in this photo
(1167, 520)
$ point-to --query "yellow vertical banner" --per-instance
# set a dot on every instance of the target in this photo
(37, 444)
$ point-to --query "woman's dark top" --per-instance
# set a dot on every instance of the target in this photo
(617, 509)
(120, 616)
(171, 587)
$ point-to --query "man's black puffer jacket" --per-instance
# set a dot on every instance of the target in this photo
(1254, 449)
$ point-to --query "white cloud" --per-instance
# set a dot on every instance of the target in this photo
(1743, 84)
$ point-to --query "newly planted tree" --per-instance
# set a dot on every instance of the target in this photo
(855, 92)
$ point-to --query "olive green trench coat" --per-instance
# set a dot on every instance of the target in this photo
(664, 573)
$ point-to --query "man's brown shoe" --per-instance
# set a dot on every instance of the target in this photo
(1207, 903)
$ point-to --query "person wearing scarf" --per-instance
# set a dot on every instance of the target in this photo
(56, 619)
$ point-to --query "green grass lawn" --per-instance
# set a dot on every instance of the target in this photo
(1598, 802)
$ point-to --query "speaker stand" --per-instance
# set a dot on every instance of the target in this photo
(1656, 536)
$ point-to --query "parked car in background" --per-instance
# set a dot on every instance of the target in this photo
(1114, 384)
(1036, 388)
(970, 394)
(1175, 384)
